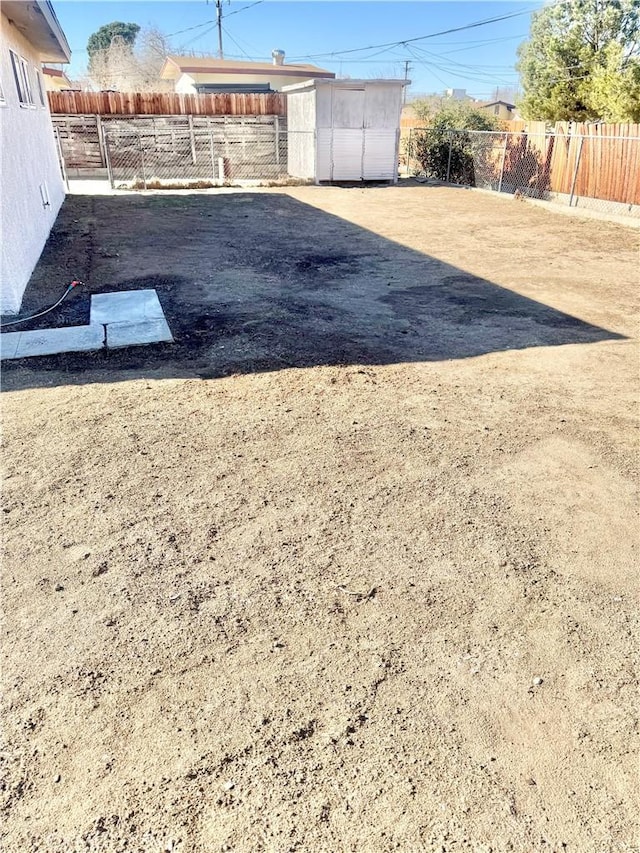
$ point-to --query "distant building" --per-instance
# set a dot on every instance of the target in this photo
(457, 95)
(31, 182)
(55, 80)
(191, 75)
(500, 109)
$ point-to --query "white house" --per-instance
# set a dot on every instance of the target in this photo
(32, 188)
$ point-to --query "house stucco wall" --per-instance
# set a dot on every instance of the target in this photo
(28, 160)
(186, 83)
(499, 111)
(56, 84)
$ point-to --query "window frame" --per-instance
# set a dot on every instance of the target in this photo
(22, 79)
(40, 86)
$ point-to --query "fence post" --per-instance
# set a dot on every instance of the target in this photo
(504, 157)
(63, 168)
(450, 152)
(192, 139)
(107, 158)
(277, 131)
(575, 173)
(213, 162)
(144, 174)
(101, 139)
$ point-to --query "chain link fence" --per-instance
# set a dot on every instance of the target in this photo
(149, 151)
(146, 159)
(591, 172)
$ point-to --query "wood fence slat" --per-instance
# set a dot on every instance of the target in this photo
(167, 103)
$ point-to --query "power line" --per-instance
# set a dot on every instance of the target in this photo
(244, 8)
(215, 21)
(231, 38)
(476, 44)
(200, 35)
(189, 29)
(405, 42)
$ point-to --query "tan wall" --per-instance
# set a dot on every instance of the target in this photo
(55, 84)
(186, 84)
(503, 113)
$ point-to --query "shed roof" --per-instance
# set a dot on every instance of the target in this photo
(345, 84)
(176, 65)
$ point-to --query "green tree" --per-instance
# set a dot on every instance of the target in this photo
(615, 87)
(579, 60)
(102, 38)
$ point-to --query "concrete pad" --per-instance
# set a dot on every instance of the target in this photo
(129, 306)
(9, 344)
(52, 341)
(144, 332)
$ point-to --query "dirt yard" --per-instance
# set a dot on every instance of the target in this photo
(351, 565)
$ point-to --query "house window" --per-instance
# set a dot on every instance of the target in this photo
(23, 80)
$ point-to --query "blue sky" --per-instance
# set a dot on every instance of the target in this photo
(478, 59)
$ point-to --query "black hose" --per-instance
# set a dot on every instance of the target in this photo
(46, 311)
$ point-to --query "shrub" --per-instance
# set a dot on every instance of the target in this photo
(431, 147)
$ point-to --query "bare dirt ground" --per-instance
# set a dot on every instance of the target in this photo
(351, 566)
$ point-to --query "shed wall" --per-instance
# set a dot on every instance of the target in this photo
(301, 123)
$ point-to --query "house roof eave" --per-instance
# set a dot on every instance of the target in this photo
(38, 23)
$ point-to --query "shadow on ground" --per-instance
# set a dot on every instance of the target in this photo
(258, 281)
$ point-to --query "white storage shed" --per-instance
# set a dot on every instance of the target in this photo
(344, 130)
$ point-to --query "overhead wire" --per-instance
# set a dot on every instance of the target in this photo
(204, 23)
(404, 42)
(231, 38)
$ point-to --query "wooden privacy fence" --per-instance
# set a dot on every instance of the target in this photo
(167, 103)
(597, 161)
(600, 161)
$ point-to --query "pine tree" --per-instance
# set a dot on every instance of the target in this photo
(581, 61)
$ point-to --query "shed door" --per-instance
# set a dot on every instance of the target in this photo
(346, 154)
(363, 140)
(348, 108)
(379, 158)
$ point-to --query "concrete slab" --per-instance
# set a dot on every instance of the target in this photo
(130, 306)
(144, 332)
(9, 344)
(52, 341)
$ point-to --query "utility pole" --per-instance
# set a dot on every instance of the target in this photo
(219, 19)
(407, 65)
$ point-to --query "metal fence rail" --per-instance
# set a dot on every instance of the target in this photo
(83, 137)
(172, 158)
(590, 171)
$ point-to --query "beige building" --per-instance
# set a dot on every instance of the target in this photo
(55, 80)
(196, 75)
(500, 109)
